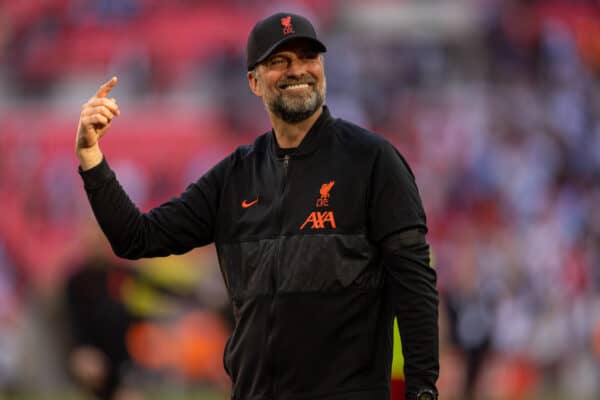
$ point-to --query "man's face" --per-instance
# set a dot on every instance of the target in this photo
(291, 81)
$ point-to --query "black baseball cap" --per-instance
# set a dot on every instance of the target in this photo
(276, 30)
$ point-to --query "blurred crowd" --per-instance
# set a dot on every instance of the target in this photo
(495, 104)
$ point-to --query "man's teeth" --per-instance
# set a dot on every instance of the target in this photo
(296, 86)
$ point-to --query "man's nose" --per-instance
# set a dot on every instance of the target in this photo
(296, 67)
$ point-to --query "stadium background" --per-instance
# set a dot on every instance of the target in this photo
(496, 105)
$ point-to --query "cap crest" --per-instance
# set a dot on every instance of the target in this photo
(286, 22)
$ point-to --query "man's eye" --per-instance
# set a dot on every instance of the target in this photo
(277, 61)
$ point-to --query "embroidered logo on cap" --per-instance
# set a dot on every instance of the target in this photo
(286, 22)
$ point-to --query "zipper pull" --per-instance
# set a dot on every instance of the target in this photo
(286, 163)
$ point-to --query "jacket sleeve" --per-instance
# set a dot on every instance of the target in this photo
(174, 227)
(398, 225)
(410, 285)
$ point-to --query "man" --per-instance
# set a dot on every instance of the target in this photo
(319, 230)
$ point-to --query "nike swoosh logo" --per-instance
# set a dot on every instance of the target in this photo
(246, 204)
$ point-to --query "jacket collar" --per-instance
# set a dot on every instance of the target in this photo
(310, 142)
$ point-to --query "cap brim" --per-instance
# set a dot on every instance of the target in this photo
(318, 45)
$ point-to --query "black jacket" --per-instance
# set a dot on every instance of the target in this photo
(299, 238)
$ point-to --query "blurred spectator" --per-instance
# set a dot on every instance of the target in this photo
(130, 325)
(99, 320)
(501, 124)
(10, 310)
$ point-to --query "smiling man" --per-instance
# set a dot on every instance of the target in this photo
(288, 75)
(319, 229)
(289, 96)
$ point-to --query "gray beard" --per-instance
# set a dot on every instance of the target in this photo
(297, 109)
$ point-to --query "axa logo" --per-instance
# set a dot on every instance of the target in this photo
(321, 219)
(286, 23)
(318, 219)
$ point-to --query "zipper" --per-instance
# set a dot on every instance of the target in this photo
(284, 186)
(286, 164)
(275, 274)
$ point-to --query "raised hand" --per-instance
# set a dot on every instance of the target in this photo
(95, 119)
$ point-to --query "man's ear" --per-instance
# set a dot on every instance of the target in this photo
(254, 83)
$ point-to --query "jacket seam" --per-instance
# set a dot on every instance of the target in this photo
(275, 237)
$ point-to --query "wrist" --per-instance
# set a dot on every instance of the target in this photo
(89, 157)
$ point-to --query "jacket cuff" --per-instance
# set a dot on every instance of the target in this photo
(97, 176)
(427, 394)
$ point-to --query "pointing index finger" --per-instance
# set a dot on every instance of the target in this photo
(106, 88)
